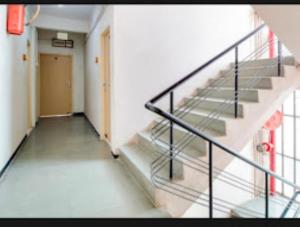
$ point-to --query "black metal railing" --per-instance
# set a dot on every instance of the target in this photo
(175, 120)
(288, 206)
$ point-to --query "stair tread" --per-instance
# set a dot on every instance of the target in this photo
(209, 131)
(246, 67)
(188, 150)
(244, 78)
(219, 100)
(277, 204)
(227, 89)
(222, 93)
(268, 60)
(140, 157)
(205, 113)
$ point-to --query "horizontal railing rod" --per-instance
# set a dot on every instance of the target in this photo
(188, 127)
(184, 79)
(286, 209)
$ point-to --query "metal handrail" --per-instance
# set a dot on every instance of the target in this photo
(288, 206)
(173, 119)
(184, 79)
(181, 114)
(191, 129)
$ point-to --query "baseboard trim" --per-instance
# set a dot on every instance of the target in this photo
(78, 114)
(12, 157)
(55, 116)
(115, 156)
(91, 125)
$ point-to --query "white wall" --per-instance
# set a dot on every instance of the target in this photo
(60, 23)
(13, 89)
(154, 46)
(92, 79)
(77, 53)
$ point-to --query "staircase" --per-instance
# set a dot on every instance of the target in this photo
(174, 165)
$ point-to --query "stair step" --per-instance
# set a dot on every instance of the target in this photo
(144, 140)
(244, 82)
(266, 71)
(197, 147)
(138, 161)
(227, 93)
(256, 208)
(208, 131)
(288, 60)
(216, 123)
(222, 106)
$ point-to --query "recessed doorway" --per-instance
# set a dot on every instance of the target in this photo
(105, 86)
(55, 85)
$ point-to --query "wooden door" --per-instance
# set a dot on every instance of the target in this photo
(55, 84)
(105, 79)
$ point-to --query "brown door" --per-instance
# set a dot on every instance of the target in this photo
(55, 84)
(106, 84)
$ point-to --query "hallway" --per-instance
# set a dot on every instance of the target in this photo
(63, 170)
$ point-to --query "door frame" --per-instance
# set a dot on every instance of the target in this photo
(30, 123)
(105, 56)
(71, 81)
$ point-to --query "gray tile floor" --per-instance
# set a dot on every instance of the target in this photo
(63, 170)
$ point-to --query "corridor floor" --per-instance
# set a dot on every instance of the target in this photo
(64, 170)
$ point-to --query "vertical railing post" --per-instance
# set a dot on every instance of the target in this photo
(210, 163)
(279, 58)
(266, 195)
(236, 80)
(171, 135)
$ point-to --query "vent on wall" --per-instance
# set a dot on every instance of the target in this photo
(62, 43)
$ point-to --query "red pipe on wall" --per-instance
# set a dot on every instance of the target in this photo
(272, 132)
(274, 122)
(272, 160)
(271, 44)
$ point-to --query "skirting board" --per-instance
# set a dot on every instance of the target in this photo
(12, 157)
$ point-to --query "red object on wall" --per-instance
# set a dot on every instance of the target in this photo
(272, 161)
(274, 122)
(271, 44)
(15, 19)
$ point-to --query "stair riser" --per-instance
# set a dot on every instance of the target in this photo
(265, 62)
(219, 107)
(141, 179)
(250, 96)
(248, 72)
(215, 124)
(178, 166)
(244, 83)
(198, 144)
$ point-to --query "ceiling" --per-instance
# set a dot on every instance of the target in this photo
(81, 12)
(284, 22)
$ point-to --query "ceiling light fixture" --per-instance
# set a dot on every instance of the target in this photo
(60, 5)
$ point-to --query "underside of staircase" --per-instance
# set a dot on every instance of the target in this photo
(259, 97)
